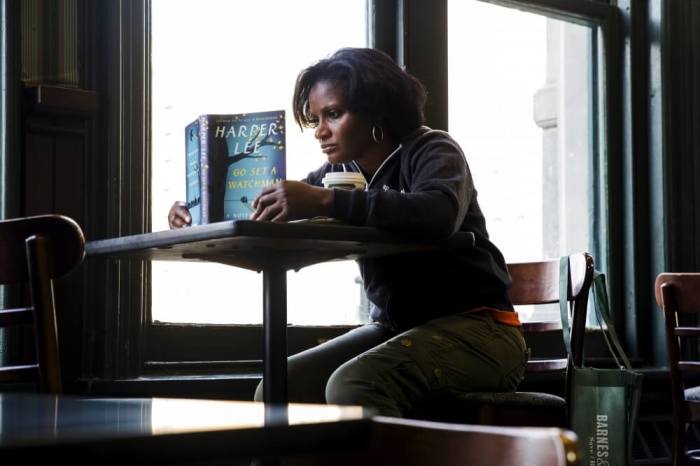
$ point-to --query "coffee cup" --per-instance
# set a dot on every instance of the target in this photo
(344, 180)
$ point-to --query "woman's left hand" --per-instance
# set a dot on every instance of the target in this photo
(291, 200)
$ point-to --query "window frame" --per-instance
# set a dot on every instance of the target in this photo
(125, 324)
(122, 342)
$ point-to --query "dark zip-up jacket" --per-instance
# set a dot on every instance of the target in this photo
(424, 190)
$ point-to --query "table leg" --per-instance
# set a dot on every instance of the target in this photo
(275, 335)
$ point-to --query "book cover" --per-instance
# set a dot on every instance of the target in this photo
(230, 159)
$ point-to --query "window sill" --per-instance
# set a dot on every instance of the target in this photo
(224, 386)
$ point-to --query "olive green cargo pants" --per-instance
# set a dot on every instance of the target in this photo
(374, 367)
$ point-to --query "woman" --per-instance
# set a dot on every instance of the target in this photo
(442, 322)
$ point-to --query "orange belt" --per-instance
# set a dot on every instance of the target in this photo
(504, 317)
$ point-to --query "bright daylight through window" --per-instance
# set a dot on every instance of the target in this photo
(520, 104)
(222, 56)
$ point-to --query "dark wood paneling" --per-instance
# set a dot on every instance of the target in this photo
(38, 174)
(694, 102)
(69, 167)
(56, 131)
(58, 99)
(681, 161)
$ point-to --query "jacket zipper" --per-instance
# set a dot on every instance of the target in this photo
(357, 167)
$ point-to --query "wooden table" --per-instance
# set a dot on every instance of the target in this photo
(273, 249)
(88, 430)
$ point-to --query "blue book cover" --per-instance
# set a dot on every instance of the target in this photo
(239, 155)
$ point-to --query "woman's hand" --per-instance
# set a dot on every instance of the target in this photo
(291, 200)
(179, 216)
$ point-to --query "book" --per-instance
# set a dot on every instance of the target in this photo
(230, 159)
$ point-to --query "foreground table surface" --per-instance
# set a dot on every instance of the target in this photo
(162, 430)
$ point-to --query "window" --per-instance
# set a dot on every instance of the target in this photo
(140, 124)
(218, 56)
(523, 105)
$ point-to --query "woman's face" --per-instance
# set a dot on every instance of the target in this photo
(344, 136)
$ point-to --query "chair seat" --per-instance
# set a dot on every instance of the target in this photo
(501, 408)
(692, 404)
(513, 399)
(692, 457)
(692, 394)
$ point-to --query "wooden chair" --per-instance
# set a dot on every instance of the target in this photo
(678, 296)
(34, 251)
(534, 283)
(408, 442)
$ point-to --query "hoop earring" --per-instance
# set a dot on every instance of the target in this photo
(375, 138)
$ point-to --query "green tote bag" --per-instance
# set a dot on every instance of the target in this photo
(603, 403)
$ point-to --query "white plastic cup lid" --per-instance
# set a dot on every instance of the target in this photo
(348, 180)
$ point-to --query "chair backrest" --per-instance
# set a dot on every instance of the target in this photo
(676, 294)
(538, 283)
(410, 442)
(34, 251)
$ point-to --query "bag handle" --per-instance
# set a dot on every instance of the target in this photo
(564, 302)
(602, 310)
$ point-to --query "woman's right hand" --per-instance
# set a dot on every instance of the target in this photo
(179, 216)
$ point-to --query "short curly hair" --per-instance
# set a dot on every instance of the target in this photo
(373, 85)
